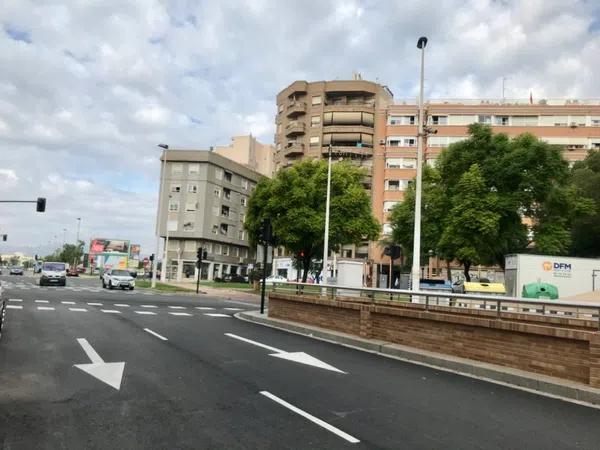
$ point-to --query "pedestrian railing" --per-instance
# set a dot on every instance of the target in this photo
(500, 305)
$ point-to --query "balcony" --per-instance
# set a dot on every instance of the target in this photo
(295, 128)
(293, 149)
(348, 150)
(338, 128)
(295, 108)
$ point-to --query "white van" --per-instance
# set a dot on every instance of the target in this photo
(53, 273)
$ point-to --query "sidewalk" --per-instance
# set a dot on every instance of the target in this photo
(519, 379)
(229, 294)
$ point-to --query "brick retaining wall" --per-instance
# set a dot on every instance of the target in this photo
(565, 349)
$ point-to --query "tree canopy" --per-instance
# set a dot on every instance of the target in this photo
(585, 234)
(69, 253)
(294, 202)
(476, 202)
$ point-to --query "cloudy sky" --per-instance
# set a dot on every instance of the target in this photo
(88, 88)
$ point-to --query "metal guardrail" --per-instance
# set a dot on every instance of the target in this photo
(444, 299)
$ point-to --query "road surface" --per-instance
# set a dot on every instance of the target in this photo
(85, 367)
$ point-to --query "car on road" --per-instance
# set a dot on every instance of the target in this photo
(72, 272)
(16, 270)
(53, 273)
(275, 279)
(235, 278)
(118, 278)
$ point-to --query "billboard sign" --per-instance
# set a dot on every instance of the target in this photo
(108, 245)
(134, 251)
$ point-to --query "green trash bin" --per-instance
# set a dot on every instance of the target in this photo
(540, 290)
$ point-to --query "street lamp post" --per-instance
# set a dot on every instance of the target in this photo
(326, 236)
(417, 232)
(159, 213)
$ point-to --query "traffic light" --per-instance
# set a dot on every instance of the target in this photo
(36, 257)
(41, 204)
(4, 237)
(266, 231)
(151, 257)
(204, 254)
(199, 254)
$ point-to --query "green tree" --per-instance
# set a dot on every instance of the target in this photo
(294, 201)
(69, 253)
(472, 224)
(586, 230)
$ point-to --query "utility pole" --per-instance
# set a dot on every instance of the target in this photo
(326, 236)
(266, 235)
(159, 213)
(419, 185)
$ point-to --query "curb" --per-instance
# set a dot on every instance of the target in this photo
(514, 378)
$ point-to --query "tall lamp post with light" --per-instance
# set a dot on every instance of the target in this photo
(416, 264)
(159, 213)
(326, 236)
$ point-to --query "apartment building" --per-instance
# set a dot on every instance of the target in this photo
(204, 203)
(309, 119)
(251, 153)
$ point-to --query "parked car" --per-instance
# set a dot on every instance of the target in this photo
(234, 278)
(16, 270)
(275, 279)
(80, 269)
(53, 273)
(118, 278)
(72, 272)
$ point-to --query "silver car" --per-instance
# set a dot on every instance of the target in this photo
(118, 278)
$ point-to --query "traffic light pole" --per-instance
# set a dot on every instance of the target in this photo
(40, 203)
(198, 280)
(264, 279)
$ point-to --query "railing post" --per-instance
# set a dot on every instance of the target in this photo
(427, 302)
(498, 303)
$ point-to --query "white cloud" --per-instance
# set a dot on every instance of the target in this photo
(84, 103)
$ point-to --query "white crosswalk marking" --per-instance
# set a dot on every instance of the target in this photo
(179, 314)
(45, 308)
(148, 313)
(15, 300)
(14, 307)
(216, 315)
(110, 311)
(78, 309)
(149, 306)
(205, 308)
(41, 301)
(233, 309)
(67, 303)
(94, 304)
(122, 305)
(177, 307)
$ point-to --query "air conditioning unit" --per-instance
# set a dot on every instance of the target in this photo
(381, 141)
(573, 125)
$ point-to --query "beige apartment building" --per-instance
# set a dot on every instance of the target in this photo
(246, 150)
(310, 118)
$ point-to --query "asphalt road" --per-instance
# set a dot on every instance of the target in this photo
(213, 383)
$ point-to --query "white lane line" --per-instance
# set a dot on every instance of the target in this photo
(179, 314)
(233, 309)
(41, 301)
(312, 418)
(148, 330)
(177, 307)
(207, 308)
(68, 303)
(15, 300)
(149, 306)
(122, 305)
(94, 304)
(258, 344)
(14, 307)
(149, 313)
(45, 308)
(216, 315)
(78, 309)
(110, 311)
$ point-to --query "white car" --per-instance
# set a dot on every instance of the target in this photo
(275, 279)
(117, 278)
(53, 273)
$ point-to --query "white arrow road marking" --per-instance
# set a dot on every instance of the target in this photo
(299, 357)
(312, 418)
(109, 373)
(148, 330)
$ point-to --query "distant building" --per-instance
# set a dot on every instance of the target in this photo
(248, 151)
(204, 204)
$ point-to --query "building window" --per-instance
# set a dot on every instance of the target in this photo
(227, 193)
(241, 235)
(396, 185)
(401, 163)
(225, 250)
(244, 252)
(175, 187)
(315, 121)
(224, 228)
(193, 168)
(401, 120)
(314, 141)
(228, 176)
(173, 205)
(177, 168)
(191, 206)
(188, 226)
(236, 251)
(595, 122)
(172, 225)
(388, 205)
(225, 211)
(400, 141)
(316, 100)
(524, 121)
(217, 249)
(215, 211)
(243, 201)
(485, 119)
(217, 192)
(242, 217)
(387, 228)
(192, 188)
(280, 108)
(439, 120)
(218, 173)
(278, 146)
(501, 120)
(244, 183)
(215, 229)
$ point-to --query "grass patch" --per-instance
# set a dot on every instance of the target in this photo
(159, 286)
(213, 284)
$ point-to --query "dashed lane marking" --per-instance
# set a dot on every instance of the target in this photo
(149, 306)
(122, 305)
(15, 300)
(78, 309)
(68, 303)
(216, 315)
(177, 307)
(94, 304)
(45, 308)
(147, 313)
(205, 308)
(14, 307)
(148, 330)
(41, 301)
(110, 311)
(179, 314)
